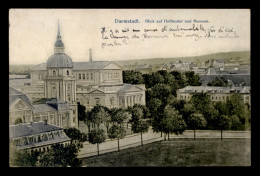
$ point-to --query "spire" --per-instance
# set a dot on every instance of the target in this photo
(59, 46)
(90, 55)
(58, 35)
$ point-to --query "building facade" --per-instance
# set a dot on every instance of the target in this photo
(215, 93)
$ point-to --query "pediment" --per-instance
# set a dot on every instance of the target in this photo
(134, 89)
(20, 104)
(111, 66)
(96, 91)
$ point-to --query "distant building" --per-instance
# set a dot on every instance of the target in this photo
(199, 70)
(219, 63)
(37, 136)
(183, 66)
(215, 93)
(146, 68)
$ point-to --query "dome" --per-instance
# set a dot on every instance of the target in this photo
(59, 43)
(59, 60)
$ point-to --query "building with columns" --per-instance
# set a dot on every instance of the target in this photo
(90, 82)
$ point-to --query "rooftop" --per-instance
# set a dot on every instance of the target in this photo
(27, 129)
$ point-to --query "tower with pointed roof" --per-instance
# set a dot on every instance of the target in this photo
(60, 82)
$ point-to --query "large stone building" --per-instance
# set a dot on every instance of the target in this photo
(215, 93)
(90, 83)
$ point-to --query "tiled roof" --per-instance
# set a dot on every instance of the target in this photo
(42, 108)
(54, 103)
(28, 129)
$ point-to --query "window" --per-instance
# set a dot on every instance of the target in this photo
(74, 119)
(97, 101)
(83, 75)
(91, 76)
(68, 73)
(54, 73)
(79, 76)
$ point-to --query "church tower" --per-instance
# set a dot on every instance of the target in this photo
(60, 82)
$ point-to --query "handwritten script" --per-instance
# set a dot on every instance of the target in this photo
(195, 32)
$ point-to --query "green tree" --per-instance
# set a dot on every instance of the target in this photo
(172, 122)
(17, 121)
(196, 121)
(96, 136)
(133, 77)
(116, 132)
(192, 79)
(21, 158)
(139, 119)
(81, 112)
(59, 156)
(77, 138)
(222, 122)
(98, 115)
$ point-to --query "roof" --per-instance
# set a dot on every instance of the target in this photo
(39, 108)
(27, 129)
(59, 43)
(60, 60)
(14, 95)
(79, 65)
(127, 87)
(19, 82)
(90, 65)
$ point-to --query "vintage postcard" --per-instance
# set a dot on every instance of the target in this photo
(129, 87)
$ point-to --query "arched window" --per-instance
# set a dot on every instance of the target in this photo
(54, 73)
(68, 73)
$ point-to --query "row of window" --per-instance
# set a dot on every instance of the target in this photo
(43, 149)
(111, 75)
(86, 76)
(212, 97)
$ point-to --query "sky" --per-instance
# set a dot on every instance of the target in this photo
(32, 33)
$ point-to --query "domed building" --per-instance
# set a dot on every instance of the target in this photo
(90, 82)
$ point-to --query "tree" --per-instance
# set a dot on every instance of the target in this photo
(77, 138)
(133, 77)
(21, 158)
(139, 119)
(96, 136)
(17, 121)
(222, 122)
(192, 79)
(81, 112)
(116, 132)
(98, 115)
(219, 82)
(60, 156)
(172, 122)
(196, 121)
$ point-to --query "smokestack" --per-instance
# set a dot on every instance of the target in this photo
(90, 55)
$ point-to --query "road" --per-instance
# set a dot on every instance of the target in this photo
(135, 140)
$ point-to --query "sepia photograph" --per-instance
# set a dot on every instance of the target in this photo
(129, 87)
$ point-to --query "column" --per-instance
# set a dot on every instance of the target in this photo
(132, 100)
(124, 98)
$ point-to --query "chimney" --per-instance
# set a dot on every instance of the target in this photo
(90, 55)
